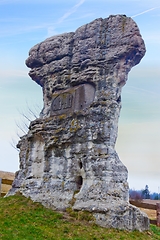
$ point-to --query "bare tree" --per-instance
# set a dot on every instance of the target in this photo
(23, 124)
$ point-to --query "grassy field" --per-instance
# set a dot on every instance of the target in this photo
(21, 219)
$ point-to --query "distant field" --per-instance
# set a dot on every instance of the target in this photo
(9, 176)
(150, 213)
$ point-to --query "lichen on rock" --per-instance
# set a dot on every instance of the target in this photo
(69, 151)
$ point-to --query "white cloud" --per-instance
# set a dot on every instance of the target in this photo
(138, 148)
(70, 11)
(10, 31)
(146, 11)
(13, 73)
(139, 91)
(16, 29)
(51, 29)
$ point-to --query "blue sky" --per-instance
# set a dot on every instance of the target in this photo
(24, 23)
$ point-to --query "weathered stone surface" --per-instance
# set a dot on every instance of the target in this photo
(68, 157)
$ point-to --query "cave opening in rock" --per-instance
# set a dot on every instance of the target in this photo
(80, 165)
(79, 182)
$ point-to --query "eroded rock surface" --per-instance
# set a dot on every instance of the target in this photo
(68, 157)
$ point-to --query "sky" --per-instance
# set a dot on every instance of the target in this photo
(24, 23)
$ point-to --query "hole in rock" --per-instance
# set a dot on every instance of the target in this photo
(79, 182)
(119, 99)
(80, 165)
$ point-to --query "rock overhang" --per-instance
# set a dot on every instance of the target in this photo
(95, 44)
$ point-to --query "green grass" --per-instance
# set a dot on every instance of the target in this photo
(21, 219)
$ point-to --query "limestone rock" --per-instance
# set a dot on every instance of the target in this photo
(68, 157)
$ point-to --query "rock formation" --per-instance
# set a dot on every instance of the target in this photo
(68, 157)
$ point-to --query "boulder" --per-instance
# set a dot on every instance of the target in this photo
(68, 157)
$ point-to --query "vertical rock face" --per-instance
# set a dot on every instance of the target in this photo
(68, 157)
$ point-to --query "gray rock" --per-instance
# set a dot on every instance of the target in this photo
(68, 157)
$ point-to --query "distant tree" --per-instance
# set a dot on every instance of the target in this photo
(146, 193)
(143, 194)
(135, 195)
(156, 197)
